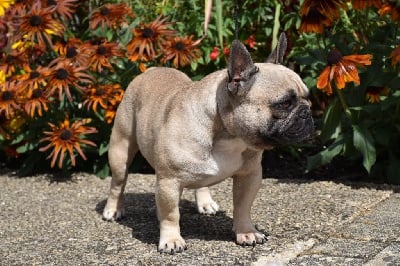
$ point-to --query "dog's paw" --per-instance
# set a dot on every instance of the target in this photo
(250, 239)
(113, 214)
(172, 245)
(207, 207)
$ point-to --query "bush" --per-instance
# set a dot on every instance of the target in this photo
(64, 66)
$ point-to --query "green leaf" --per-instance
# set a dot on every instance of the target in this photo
(275, 30)
(332, 121)
(364, 143)
(220, 22)
(18, 139)
(207, 14)
(326, 155)
(27, 147)
(103, 148)
(102, 170)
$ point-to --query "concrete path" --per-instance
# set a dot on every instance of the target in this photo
(48, 222)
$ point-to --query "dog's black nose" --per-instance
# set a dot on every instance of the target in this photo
(304, 112)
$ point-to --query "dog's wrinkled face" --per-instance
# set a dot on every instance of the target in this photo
(275, 110)
(268, 104)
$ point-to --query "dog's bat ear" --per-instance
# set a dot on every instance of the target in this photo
(276, 56)
(240, 68)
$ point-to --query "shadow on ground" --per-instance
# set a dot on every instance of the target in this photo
(141, 218)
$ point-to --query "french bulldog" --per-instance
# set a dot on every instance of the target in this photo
(197, 133)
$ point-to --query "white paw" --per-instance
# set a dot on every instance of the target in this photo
(113, 214)
(207, 207)
(250, 238)
(172, 245)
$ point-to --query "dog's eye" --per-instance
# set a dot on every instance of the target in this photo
(285, 105)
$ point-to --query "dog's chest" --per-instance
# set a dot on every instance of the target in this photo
(227, 156)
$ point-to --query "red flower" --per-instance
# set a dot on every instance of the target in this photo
(214, 54)
(251, 41)
(226, 50)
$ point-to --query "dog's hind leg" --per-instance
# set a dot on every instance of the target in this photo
(123, 148)
(204, 201)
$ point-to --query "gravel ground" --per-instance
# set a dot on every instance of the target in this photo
(45, 221)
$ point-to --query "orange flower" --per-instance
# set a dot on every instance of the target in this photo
(19, 7)
(111, 15)
(373, 93)
(110, 114)
(181, 50)
(103, 55)
(3, 34)
(328, 8)
(395, 55)
(74, 51)
(32, 80)
(64, 8)
(147, 38)
(67, 138)
(316, 13)
(314, 21)
(341, 69)
(103, 95)
(14, 61)
(363, 4)
(63, 76)
(392, 9)
(38, 25)
(36, 100)
(9, 99)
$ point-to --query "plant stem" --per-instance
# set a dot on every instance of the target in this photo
(349, 25)
(344, 103)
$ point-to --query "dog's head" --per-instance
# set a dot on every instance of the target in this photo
(264, 103)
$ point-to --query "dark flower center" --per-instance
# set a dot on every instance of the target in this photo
(100, 91)
(96, 41)
(35, 21)
(374, 90)
(37, 93)
(20, 1)
(51, 3)
(104, 11)
(61, 73)
(314, 16)
(10, 58)
(33, 75)
(334, 57)
(180, 46)
(71, 52)
(101, 50)
(148, 33)
(6, 96)
(66, 134)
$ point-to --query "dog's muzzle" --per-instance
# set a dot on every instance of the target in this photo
(297, 127)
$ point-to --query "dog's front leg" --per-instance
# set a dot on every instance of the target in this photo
(167, 199)
(245, 188)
